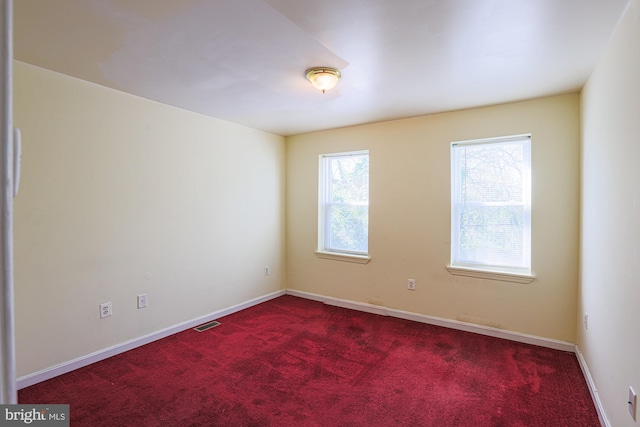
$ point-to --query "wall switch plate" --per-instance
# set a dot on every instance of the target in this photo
(632, 403)
(142, 300)
(266, 270)
(411, 284)
(105, 310)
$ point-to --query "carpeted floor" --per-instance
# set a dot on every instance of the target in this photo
(295, 362)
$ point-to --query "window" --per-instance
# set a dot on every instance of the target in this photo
(491, 206)
(343, 205)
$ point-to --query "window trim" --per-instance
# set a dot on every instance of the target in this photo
(488, 271)
(483, 273)
(323, 176)
(342, 256)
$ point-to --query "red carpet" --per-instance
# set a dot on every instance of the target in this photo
(294, 362)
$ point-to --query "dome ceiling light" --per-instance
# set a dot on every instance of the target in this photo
(323, 78)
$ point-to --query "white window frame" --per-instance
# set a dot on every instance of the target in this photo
(323, 196)
(490, 271)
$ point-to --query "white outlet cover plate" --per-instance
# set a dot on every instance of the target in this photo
(105, 310)
(586, 321)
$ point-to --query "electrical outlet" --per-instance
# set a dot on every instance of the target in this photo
(411, 284)
(632, 403)
(585, 320)
(142, 300)
(266, 270)
(105, 310)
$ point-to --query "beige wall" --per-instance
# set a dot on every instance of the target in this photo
(610, 267)
(409, 234)
(120, 196)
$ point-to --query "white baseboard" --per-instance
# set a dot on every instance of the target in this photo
(438, 321)
(63, 368)
(602, 415)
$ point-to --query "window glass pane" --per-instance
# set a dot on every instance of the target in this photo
(349, 228)
(491, 235)
(349, 179)
(492, 173)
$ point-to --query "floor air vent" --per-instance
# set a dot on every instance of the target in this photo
(206, 326)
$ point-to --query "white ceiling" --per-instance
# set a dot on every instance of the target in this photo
(244, 60)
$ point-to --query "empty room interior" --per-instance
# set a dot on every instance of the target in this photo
(172, 150)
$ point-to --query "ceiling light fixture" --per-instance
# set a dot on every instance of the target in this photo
(323, 78)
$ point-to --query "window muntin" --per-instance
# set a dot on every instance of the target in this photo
(491, 204)
(343, 217)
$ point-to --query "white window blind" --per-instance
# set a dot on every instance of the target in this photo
(491, 204)
(343, 218)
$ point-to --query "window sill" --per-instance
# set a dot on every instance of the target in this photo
(336, 256)
(491, 275)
